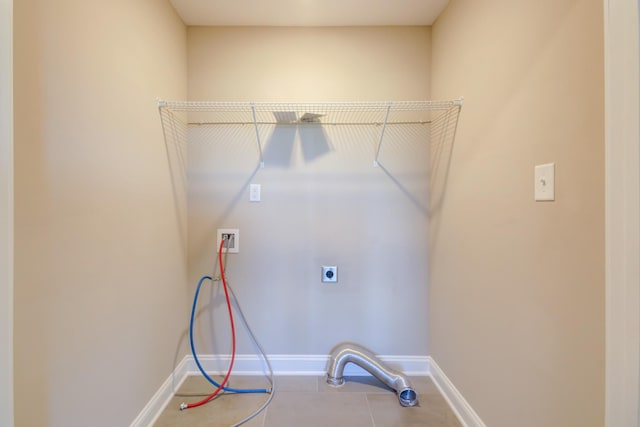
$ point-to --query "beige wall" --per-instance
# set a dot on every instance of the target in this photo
(330, 208)
(100, 295)
(308, 64)
(517, 287)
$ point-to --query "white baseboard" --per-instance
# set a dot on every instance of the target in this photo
(459, 405)
(161, 398)
(286, 364)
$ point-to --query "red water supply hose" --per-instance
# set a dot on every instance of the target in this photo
(233, 336)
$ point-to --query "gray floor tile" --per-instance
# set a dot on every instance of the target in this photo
(318, 410)
(294, 383)
(222, 411)
(432, 411)
(303, 401)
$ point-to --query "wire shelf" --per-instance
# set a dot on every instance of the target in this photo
(380, 114)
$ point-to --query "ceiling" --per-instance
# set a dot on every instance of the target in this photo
(309, 12)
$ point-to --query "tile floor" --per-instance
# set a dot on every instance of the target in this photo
(301, 401)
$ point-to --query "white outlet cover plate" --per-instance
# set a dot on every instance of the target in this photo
(254, 192)
(236, 241)
(544, 185)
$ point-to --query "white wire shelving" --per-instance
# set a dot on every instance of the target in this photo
(380, 114)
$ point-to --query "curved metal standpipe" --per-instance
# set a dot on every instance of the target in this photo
(362, 357)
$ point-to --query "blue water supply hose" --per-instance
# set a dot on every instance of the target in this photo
(195, 355)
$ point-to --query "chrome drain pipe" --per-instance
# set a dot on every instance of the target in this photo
(353, 353)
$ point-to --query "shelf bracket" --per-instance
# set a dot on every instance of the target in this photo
(255, 124)
(384, 127)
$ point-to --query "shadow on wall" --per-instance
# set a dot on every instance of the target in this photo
(175, 141)
(232, 141)
(441, 138)
(315, 142)
(279, 148)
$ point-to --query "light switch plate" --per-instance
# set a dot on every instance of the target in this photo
(544, 185)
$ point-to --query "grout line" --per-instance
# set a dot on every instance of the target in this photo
(264, 417)
(373, 421)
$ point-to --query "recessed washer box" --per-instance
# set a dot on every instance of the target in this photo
(330, 273)
(233, 243)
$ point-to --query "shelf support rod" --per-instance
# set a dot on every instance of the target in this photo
(384, 127)
(255, 125)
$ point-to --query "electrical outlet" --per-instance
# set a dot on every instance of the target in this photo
(254, 192)
(330, 273)
(232, 244)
